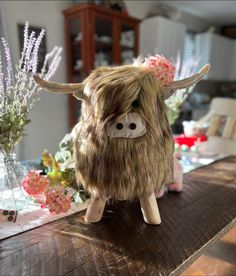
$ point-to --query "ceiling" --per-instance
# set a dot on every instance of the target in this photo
(216, 12)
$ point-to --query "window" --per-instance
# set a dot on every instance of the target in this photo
(189, 47)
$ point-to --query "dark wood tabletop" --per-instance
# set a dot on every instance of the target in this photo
(122, 244)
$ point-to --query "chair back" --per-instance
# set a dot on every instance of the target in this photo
(222, 126)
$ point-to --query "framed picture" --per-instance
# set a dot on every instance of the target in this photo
(42, 48)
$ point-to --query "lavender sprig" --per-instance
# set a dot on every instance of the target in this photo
(54, 64)
(8, 61)
(46, 60)
(30, 45)
(26, 32)
(34, 61)
(1, 79)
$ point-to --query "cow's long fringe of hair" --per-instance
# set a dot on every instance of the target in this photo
(119, 167)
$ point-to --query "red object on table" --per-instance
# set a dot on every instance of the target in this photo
(189, 141)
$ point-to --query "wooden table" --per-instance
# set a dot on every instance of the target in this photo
(122, 244)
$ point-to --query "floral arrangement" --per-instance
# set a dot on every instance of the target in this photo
(57, 188)
(18, 91)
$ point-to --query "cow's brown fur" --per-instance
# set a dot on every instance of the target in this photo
(119, 167)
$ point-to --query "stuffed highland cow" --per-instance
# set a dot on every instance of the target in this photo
(123, 146)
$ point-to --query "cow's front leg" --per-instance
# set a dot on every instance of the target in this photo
(150, 209)
(96, 207)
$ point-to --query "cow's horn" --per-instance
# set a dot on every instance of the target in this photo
(71, 88)
(185, 83)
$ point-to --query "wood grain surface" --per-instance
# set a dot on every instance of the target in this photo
(122, 244)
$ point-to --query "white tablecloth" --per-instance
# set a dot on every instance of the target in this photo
(33, 217)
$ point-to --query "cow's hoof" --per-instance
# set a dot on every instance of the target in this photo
(175, 187)
(160, 193)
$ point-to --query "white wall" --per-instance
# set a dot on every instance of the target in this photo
(49, 115)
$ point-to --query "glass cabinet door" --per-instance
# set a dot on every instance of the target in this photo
(76, 37)
(103, 39)
(127, 44)
(75, 64)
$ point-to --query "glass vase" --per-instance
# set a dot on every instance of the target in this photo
(12, 195)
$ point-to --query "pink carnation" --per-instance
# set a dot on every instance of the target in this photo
(56, 199)
(164, 69)
(34, 183)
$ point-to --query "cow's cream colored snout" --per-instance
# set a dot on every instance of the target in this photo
(129, 126)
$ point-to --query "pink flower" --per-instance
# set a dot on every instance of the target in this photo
(56, 199)
(164, 69)
(34, 183)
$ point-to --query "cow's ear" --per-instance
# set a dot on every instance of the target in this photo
(79, 94)
(185, 83)
(70, 88)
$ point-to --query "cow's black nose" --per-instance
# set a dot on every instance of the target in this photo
(119, 126)
(132, 126)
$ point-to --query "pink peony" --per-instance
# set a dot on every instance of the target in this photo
(34, 183)
(164, 69)
(56, 199)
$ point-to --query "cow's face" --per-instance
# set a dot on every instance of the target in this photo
(125, 100)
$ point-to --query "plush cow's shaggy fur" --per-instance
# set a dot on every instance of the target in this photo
(119, 167)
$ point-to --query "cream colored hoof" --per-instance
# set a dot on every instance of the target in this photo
(95, 209)
(150, 209)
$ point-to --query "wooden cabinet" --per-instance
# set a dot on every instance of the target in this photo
(96, 36)
(216, 50)
(163, 36)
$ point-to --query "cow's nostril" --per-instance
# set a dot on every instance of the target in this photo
(119, 126)
(132, 126)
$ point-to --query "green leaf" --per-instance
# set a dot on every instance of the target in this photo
(47, 159)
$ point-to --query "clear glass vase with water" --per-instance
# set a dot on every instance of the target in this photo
(12, 173)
